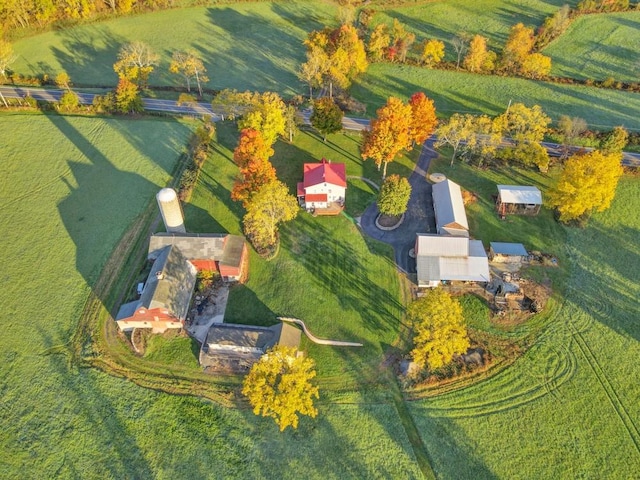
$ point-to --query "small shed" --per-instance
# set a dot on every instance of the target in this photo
(518, 200)
(502, 252)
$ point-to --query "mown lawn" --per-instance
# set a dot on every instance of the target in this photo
(256, 46)
(598, 47)
(465, 92)
(538, 417)
(342, 284)
(70, 187)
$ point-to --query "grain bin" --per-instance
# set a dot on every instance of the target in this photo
(171, 210)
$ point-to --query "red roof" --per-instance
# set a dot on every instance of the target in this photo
(316, 197)
(325, 172)
(300, 189)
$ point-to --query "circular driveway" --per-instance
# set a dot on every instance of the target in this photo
(419, 217)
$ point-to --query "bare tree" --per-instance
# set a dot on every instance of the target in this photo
(460, 43)
(571, 129)
(135, 62)
(7, 57)
(190, 67)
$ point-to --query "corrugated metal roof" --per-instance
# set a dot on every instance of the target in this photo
(316, 173)
(192, 245)
(502, 248)
(520, 194)
(428, 269)
(450, 258)
(466, 269)
(170, 283)
(448, 205)
(439, 245)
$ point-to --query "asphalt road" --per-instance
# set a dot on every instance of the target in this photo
(199, 109)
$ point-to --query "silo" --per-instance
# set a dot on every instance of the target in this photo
(171, 210)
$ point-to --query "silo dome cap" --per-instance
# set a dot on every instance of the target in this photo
(166, 195)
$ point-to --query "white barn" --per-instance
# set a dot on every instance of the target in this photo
(451, 218)
(449, 258)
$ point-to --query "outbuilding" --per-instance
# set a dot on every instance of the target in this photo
(235, 348)
(165, 299)
(501, 252)
(518, 200)
(448, 258)
(448, 206)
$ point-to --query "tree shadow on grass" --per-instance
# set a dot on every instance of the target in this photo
(605, 275)
(121, 456)
(82, 54)
(256, 62)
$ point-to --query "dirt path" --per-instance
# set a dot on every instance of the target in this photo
(319, 341)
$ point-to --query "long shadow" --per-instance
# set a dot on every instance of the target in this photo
(444, 439)
(101, 204)
(605, 281)
(256, 61)
(81, 50)
(121, 456)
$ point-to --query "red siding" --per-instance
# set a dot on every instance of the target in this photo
(205, 264)
(227, 271)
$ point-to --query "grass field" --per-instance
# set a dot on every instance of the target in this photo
(598, 47)
(489, 18)
(464, 92)
(573, 382)
(241, 45)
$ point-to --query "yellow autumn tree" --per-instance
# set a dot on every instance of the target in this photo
(587, 184)
(439, 329)
(267, 208)
(388, 134)
(432, 52)
(280, 386)
(536, 66)
(478, 58)
(517, 48)
(266, 114)
(136, 62)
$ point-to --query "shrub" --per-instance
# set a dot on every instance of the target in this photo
(69, 101)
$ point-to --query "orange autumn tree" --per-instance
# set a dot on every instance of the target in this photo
(252, 157)
(388, 134)
(423, 117)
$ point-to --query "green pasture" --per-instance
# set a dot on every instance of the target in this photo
(489, 18)
(597, 47)
(255, 46)
(538, 418)
(470, 93)
(70, 187)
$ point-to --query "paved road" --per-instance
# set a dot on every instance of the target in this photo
(418, 219)
(199, 109)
